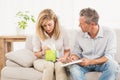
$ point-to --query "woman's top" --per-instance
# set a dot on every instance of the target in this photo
(61, 44)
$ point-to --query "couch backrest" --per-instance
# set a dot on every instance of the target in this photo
(72, 35)
(28, 43)
(117, 55)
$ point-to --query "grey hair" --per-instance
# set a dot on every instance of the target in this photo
(90, 15)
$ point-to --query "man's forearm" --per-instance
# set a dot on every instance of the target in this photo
(98, 61)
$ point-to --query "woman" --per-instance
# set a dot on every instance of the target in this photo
(49, 32)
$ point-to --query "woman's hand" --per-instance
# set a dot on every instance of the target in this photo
(44, 49)
(39, 54)
(73, 57)
(66, 54)
(62, 59)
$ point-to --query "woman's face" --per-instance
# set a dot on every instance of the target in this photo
(49, 26)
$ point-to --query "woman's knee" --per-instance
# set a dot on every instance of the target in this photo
(58, 66)
(49, 65)
(39, 64)
(42, 64)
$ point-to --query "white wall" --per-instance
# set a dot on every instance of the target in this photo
(108, 10)
(8, 9)
(67, 11)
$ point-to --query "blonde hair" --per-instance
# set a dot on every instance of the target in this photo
(47, 14)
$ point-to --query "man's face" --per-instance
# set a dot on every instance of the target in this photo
(84, 26)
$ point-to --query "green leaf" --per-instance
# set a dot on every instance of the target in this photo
(24, 17)
(22, 24)
(32, 18)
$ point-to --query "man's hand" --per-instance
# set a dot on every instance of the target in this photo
(85, 62)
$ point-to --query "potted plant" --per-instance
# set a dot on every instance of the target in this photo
(23, 19)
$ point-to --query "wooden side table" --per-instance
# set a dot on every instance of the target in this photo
(6, 45)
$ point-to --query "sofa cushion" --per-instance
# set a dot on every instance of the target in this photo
(23, 57)
(20, 73)
(11, 63)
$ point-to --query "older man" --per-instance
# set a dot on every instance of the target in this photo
(96, 47)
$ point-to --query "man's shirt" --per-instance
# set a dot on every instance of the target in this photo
(104, 44)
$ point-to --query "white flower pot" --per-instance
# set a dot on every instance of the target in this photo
(20, 31)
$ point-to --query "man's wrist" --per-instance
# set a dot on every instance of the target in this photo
(93, 62)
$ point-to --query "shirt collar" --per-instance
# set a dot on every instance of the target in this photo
(99, 35)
